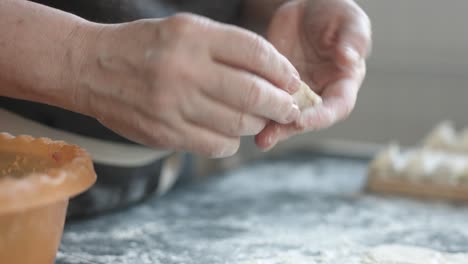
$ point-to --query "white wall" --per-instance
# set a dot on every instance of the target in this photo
(418, 72)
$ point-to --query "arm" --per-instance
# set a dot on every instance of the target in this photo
(39, 48)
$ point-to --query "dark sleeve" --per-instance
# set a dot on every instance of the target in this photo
(115, 11)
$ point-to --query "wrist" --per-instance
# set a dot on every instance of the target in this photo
(93, 49)
(80, 50)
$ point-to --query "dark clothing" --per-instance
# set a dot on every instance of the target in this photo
(114, 11)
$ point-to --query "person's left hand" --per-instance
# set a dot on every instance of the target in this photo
(328, 42)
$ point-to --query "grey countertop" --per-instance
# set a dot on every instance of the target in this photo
(304, 209)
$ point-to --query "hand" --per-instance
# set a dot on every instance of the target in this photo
(328, 42)
(185, 83)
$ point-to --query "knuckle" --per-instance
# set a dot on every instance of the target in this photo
(285, 103)
(240, 126)
(181, 24)
(253, 94)
(286, 73)
(261, 53)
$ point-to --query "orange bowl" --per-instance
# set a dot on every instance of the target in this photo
(37, 178)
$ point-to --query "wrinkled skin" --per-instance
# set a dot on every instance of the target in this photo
(328, 42)
(184, 83)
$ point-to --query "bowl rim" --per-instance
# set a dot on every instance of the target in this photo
(36, 189)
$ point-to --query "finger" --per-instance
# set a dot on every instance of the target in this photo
(251, 94)
(316, 118)
(274, 133)
(311, 119)
(250, 52)
(208, 143)
(169, 131)
(339, 99)
(223, 119)
(354, 40)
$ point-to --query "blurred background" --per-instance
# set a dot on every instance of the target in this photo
(417, 74)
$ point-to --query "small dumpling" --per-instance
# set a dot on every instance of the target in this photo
(384, 163)
(414, 169)
(306, 98)
(443, 137)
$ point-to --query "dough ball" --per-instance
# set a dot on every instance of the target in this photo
(306, 98)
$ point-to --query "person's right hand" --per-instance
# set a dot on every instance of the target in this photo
(184, 83)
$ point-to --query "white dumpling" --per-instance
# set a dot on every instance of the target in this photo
(442, 137)
(381, 164)
(444, 174)
(414, 169)
(384, 163)
(306, 98)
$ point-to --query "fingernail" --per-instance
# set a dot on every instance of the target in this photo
(270, 144)
(269, 148)
(294, 114)
(294, 85)
(272, 139)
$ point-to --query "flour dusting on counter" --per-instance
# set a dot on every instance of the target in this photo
(306, 209)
